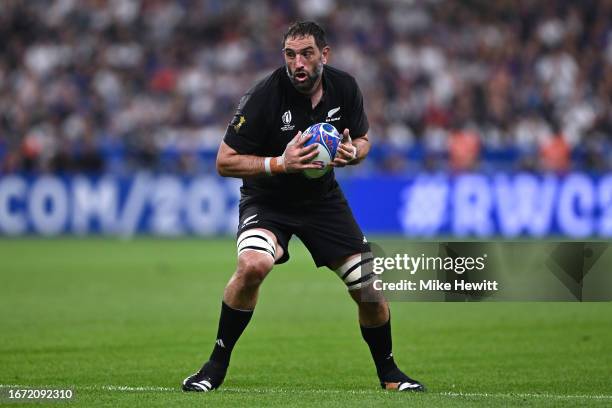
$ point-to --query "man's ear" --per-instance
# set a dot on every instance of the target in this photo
(325, 54)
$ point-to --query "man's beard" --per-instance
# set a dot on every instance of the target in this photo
(306, 86)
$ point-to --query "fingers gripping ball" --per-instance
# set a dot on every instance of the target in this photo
(327, 139)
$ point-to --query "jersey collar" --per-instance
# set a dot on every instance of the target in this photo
(305, 100)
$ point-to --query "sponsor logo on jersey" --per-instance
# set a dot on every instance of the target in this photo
(286, 118)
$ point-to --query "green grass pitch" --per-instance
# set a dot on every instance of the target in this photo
(123, 322)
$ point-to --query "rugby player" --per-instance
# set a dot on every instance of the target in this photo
(262, 146)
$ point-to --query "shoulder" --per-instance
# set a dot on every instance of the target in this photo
(265, 87)
(339, 77)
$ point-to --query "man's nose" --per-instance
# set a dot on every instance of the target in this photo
(299, 61)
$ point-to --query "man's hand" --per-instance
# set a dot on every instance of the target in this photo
(346, 153)
(296, 157)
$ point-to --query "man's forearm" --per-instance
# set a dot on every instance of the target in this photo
(363, 148)
(243, 165)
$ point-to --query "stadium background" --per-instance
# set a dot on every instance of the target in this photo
(488, 120)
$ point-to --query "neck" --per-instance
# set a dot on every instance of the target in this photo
(315, 96)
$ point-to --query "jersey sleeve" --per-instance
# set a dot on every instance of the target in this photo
(246, 129)
(358, 122)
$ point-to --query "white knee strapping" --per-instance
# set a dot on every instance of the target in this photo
(256, 240)
(356, 272)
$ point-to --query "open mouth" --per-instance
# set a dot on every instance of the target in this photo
(301, 76)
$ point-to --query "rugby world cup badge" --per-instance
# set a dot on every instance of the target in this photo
(286, 118)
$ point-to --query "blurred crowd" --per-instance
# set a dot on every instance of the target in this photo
(119, 85)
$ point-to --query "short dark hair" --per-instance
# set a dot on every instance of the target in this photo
(305, 28)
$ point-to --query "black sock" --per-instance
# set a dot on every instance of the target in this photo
(231, 325)
(379, 341)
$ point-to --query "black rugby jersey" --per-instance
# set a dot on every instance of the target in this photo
(271, 113)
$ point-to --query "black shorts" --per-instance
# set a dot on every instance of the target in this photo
(326, 227)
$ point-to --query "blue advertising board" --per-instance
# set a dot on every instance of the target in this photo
(425, 205)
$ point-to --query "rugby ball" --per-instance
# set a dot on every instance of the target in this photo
(327, 139)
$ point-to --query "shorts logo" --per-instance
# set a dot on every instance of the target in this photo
(287, 121)
(248, 221)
